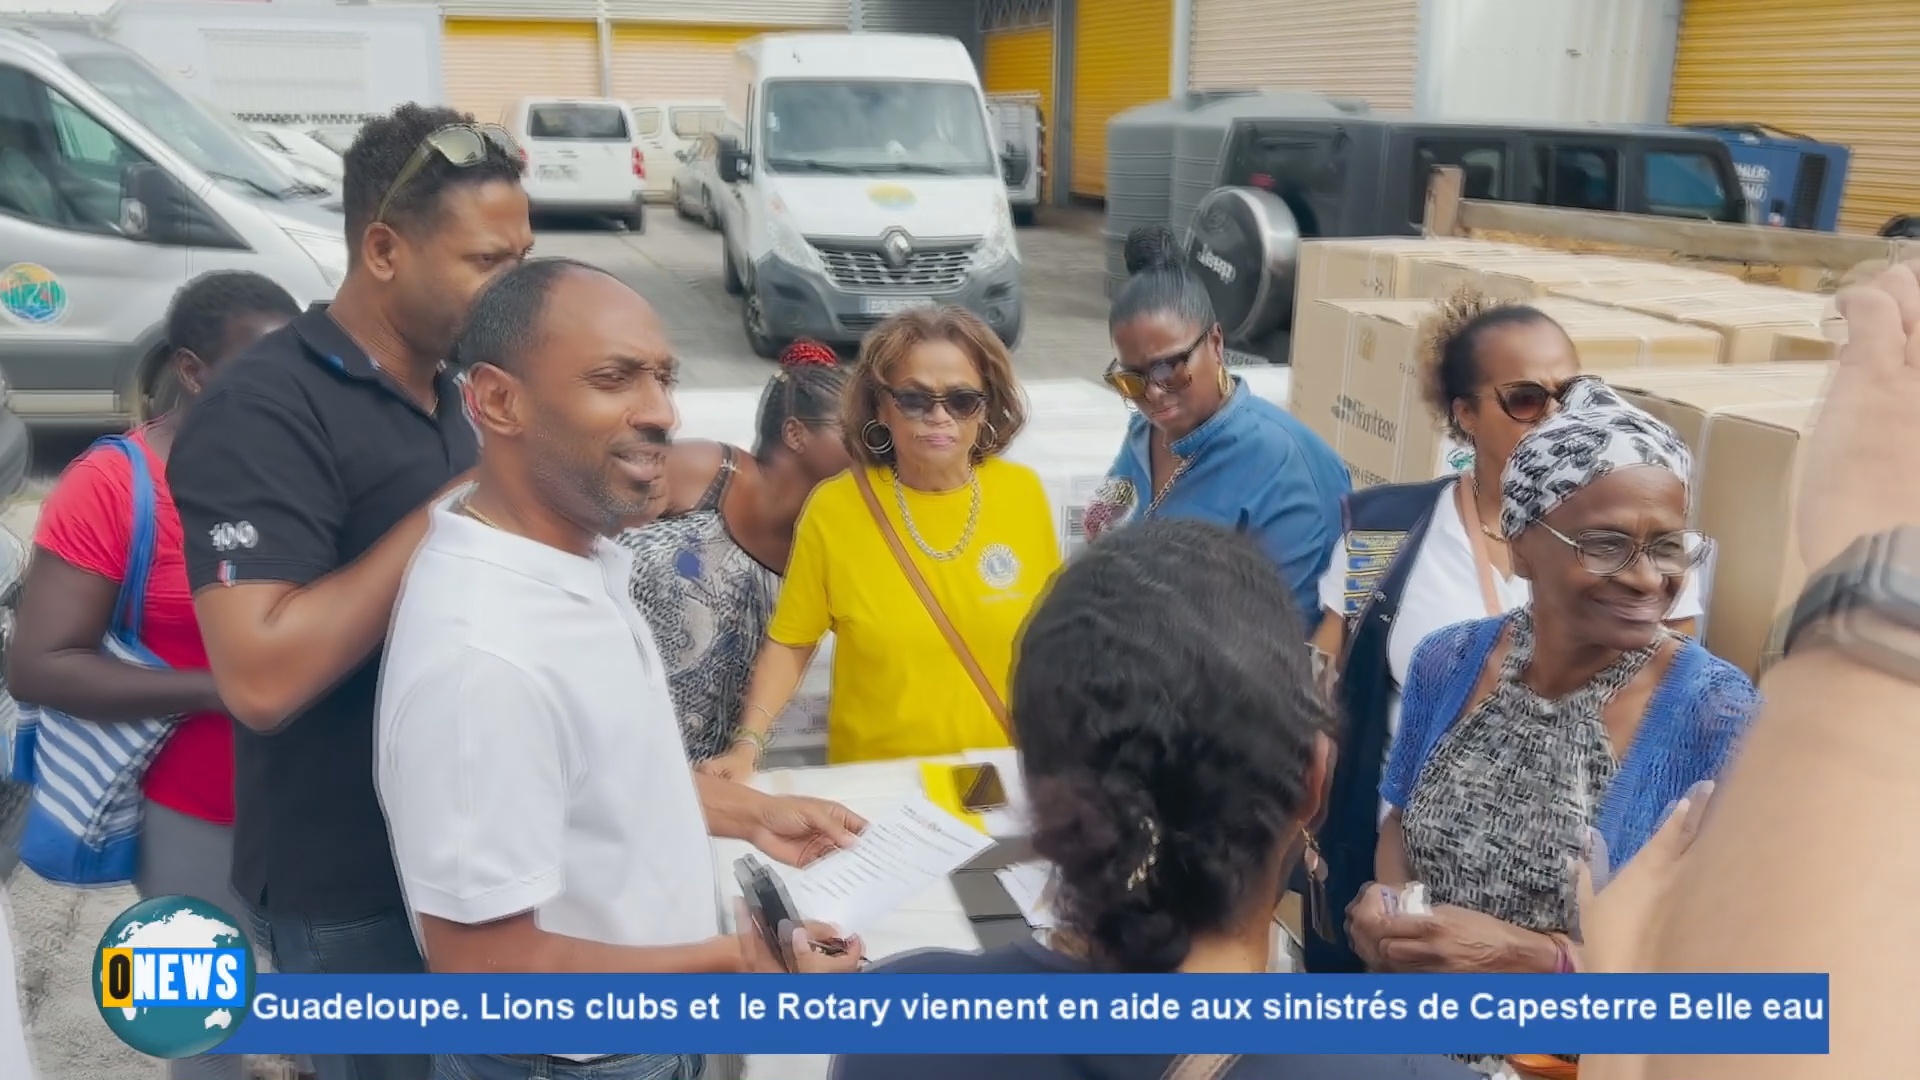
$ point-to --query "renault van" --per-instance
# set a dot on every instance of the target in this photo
(115, 190)
(861, 179)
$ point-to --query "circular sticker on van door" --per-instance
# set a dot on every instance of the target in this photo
(891, 196)
(32, 294)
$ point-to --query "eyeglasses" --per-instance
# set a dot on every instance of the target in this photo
(961, 404)
(1604, 553)
(1169, 373)
(1527, 401)
(461, 145)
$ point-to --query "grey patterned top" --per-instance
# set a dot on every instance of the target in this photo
(1507, 796)
(708, 603)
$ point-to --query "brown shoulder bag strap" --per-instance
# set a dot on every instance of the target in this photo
(930, 602)
(1200, 1066)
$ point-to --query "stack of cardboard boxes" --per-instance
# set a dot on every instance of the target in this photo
(1736, 368)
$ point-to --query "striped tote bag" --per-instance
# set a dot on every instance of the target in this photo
(83, 823)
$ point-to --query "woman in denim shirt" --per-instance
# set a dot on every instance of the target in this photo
(1202, 445)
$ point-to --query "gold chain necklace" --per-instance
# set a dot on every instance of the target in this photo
(966, 536)
(466, 507)
(1179, 467)
(1484, 530)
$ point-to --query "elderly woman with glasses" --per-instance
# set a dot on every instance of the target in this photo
(1202, 445)
(1577, 720)
(922, 559)
(1416, 558)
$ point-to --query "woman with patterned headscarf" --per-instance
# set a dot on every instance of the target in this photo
(1577, 720)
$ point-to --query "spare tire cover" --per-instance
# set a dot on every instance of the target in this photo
(1243, 246)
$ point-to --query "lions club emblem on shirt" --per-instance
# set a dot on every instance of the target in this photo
(1111, 506)
(999, 567)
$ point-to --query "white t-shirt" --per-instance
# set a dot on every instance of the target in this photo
(1443, 588)
(527, 756)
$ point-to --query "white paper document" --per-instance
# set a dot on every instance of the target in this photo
(903, 852)
(1029, 884)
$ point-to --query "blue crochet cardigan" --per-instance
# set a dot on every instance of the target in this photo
(1692, 724)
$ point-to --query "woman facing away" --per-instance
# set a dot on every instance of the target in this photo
(922, 559)
(73, 584)
(1416, 558)
(1174, 764)
(1203, 445)
(707, 573)
(1581, 713)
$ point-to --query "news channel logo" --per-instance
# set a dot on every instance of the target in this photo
(173, 976)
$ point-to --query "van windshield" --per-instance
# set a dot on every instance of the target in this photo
(876, 126)
(587, 123)
(210, 145)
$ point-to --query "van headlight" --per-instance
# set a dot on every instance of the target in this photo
(327, 250)
(999, 244)
(788, 245)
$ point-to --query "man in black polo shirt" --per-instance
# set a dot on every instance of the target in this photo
(300, 478)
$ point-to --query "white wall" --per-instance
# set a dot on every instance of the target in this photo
(1609, 61)
(315, 59)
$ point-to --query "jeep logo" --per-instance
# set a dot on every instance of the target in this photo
(1221, 268)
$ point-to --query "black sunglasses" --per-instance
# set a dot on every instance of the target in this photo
(1527, 401)
(1169, 373)
(961, 404)
(461, 145)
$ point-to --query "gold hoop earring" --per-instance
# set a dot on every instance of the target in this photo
(1226, 380)
(981, 446)
(876, 438)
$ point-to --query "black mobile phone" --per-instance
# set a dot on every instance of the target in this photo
(770, 908)
(979, 787)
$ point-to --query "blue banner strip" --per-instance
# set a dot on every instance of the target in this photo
(1035, 1014)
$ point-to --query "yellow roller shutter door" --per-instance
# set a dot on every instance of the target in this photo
(1021, 62)
(1123, 56)
(488, 63)
(668, 62)
(1842, 71)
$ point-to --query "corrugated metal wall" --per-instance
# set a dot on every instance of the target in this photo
(490, 62)
(762, 13)
(1606, 62)
(1365, 49)
(954, 18)
(1021, 62)
(1844, 71)
(675, 61)
(1123, 56)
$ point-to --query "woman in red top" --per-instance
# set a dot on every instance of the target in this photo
(73, 582)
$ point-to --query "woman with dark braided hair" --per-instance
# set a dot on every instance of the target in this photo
(1175, 763)
(707, 572)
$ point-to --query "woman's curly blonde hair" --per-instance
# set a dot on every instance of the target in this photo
(1449, 370)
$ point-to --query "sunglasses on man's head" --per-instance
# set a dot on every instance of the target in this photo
(1527, 401)
(961, 404)
(461, 145)
(1169, 373)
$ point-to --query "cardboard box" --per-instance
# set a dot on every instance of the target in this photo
(1372, 268)
(1685, 399)
(1748, 317)
(1609, 338)
(1797, 345)
(1751, 476)
(1540, 274)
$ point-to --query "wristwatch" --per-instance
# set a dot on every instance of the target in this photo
(1866, 604)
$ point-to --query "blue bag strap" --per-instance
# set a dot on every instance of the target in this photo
(130, 608)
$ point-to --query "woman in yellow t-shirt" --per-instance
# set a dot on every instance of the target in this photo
(929, 408)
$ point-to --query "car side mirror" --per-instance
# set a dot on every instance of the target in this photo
(156, 209)
(733, 163)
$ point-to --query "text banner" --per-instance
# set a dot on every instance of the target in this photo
(1035, 1014)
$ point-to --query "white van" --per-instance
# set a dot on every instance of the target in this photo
(666, 131)
(582, 157)
(115, 190)
(861, 180)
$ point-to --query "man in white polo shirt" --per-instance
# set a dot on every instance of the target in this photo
(542, 811)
